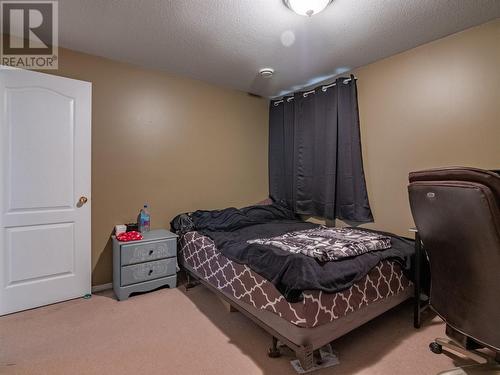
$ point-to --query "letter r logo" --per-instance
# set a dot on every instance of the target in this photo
(28, 27)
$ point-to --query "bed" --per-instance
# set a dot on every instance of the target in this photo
(303, 324)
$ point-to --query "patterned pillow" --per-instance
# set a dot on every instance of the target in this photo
(265, 202)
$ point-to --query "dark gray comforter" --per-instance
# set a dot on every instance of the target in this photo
(291, 273)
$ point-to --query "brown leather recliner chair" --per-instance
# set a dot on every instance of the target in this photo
(457, 214)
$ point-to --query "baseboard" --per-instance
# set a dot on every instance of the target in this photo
(101, 287)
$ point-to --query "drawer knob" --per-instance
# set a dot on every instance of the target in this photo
(151, 252)
(150, 272)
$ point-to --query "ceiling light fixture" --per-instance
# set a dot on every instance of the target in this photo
(307, 7)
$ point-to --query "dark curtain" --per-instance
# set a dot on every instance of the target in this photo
(315, 162)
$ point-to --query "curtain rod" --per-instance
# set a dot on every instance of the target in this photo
(323, 88)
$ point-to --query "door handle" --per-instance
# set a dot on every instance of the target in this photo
(82, 201)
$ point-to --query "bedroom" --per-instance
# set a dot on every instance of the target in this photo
(185, 106)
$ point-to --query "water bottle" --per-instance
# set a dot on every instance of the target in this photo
(144, 220)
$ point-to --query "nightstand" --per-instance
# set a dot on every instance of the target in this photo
(144, 265)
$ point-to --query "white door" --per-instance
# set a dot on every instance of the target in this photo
(45, 180)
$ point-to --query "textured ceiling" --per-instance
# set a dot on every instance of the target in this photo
(226, 42)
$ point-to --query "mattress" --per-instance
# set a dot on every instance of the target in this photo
(316, 308)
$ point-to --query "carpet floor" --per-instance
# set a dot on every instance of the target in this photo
(171, 331)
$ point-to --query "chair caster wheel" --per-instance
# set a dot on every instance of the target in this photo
(436, 348)
(273, 353)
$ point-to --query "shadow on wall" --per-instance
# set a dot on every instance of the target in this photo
(358, 350)
(104, 264)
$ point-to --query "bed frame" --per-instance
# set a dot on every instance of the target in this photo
(305, 342)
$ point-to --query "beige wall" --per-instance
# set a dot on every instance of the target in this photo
(175, 143)
(191, 145)
(435, 105)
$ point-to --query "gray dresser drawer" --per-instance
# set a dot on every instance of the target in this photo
(148, 271)
(145, 252)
